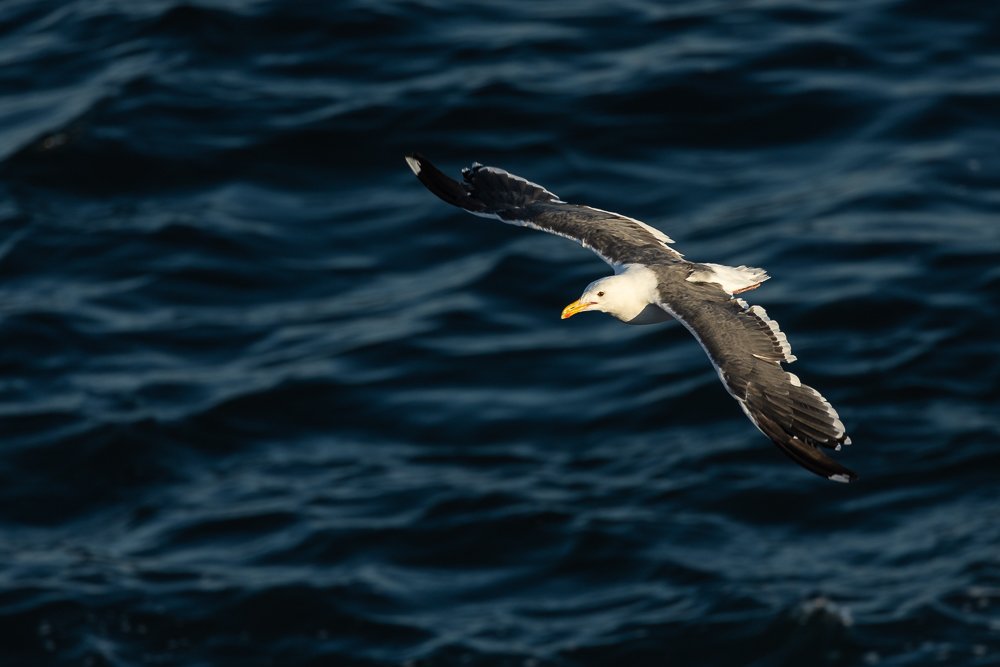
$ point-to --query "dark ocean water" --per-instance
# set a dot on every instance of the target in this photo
(266, 401)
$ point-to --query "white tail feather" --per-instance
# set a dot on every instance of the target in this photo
(732, 279)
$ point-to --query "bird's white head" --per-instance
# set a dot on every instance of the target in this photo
(624, 296)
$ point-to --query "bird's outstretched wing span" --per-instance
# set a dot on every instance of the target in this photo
(495, 193)
(747, 349)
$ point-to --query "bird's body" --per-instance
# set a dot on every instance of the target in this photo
(654, 283)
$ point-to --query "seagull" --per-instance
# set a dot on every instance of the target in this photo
(653, 283)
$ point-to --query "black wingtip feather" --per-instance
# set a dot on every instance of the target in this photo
(447, 189)
(484, 190)
(806, 454)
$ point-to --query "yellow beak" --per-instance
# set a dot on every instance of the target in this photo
(576, 307)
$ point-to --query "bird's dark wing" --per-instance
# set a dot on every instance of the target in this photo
(495, 193)
(747, 349)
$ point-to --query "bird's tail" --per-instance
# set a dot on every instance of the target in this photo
(485, 190)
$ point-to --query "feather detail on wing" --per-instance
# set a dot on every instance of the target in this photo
(747, 349)
(495, 193)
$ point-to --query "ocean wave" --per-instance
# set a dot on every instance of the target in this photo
(267, 401)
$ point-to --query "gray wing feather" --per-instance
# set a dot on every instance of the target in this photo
(747, 349)
(495, 193)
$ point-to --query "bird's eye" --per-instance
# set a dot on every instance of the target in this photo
(600, 294)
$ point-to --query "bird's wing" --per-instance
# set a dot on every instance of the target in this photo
(747, 349)
(494, 193)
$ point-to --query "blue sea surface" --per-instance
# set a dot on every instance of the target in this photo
(265, 400)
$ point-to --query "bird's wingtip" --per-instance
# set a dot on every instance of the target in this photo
(843, 478)
(413, 160)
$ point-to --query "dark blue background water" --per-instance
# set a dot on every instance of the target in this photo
(265, 400)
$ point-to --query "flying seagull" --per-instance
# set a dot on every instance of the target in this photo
(653, 283)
